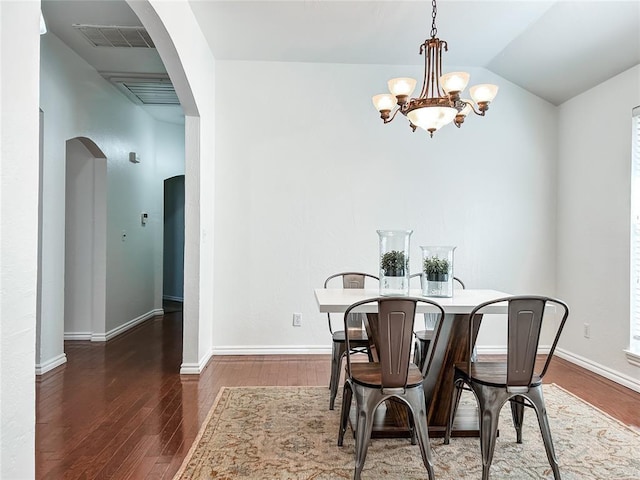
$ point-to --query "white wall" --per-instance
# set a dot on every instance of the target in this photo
(191, 66)
(594, 222)
(306, 172)
(77, 101)
(19, 44)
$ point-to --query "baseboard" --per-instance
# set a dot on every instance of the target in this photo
(104, 337)
(272, 350)
(50, 364)
(172, 298)
(77, 335)
(196, 368)
(585, 363)
(491, 349)
(622, 379)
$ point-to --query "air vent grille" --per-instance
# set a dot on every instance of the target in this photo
(116, 36)
(146, 89)
(153, 93)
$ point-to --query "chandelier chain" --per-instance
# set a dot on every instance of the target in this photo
(434, 11)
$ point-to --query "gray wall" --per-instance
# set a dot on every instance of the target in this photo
(173, 271)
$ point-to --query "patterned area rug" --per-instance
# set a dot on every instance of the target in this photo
(289, 433)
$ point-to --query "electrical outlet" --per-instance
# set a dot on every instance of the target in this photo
(587, 330)
(297, 319)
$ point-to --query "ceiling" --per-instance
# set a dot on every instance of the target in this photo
(554, 49)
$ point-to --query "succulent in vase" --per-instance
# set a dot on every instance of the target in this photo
(394, 263)
(436, 269)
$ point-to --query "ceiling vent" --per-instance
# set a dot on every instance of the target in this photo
(146, 89)
(116, 36)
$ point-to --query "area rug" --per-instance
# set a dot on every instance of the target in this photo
(289, 433)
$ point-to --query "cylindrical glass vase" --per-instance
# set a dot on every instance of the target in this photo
(394, 262)
(437, 271)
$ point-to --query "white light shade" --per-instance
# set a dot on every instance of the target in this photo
(432, 117)
(401, 86)
(454, 81)
(384, 101)
(484, 92)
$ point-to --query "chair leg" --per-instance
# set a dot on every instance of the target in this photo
(453, 408)
(517, 413)
(417, 354)
(336, 361)
(344, 413)
(536, 397)
(490, 401)
(366, 402)
(415, 397)
(412, 428)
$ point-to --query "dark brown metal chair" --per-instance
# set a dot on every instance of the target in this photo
(423, 337)
(359, 340)
(390, 375)
(514, 380)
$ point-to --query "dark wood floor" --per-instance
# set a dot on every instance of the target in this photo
(121, 410)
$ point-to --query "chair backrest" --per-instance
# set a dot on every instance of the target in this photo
(525, 315)
(393, 335)
(350, 280)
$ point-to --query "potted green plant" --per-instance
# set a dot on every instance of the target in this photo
(436, 269)
(393, 263)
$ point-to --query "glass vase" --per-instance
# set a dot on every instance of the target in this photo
(394, 262)
(437, 271)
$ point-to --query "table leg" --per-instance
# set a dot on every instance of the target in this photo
(452, 347)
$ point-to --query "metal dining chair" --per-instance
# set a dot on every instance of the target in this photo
(390, 375)
(423, 337)
(515, 380)
(359, 340)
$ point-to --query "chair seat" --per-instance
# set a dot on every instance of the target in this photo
(493, 374)
(369, 374)
(424, 335)
(358, 337)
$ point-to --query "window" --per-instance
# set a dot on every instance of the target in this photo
(634, 351)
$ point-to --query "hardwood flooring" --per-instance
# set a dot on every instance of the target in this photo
(121, 410)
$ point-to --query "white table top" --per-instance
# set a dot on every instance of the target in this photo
(336, 300)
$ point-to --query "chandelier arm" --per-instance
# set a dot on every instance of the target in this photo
(390, 119)
(425, 49)
(441, 44)
(473, 107)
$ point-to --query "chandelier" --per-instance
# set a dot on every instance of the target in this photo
(439, 102)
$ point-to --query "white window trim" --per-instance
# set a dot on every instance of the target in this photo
(632, 358)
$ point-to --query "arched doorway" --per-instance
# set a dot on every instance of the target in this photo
(85, 240)
(187, 62)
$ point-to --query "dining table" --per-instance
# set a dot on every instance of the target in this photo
(391, 419)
